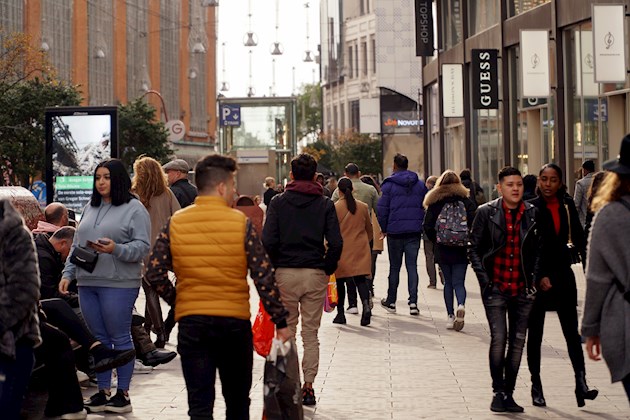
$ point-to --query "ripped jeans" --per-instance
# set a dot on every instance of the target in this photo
(507, 332)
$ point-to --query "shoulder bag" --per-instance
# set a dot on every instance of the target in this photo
(85, 258)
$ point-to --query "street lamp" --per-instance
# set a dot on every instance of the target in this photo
(159, 95)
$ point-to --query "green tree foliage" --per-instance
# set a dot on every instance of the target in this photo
(22, 136)
(361, 149)
(139, 133)
(309, 112)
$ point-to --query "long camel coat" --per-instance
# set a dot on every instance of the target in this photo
(356, 231)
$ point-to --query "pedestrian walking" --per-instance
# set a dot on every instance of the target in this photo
(177, 175)
(355, 263)
(449, 216)
(529, 184)
(377, 241)
(19, 326)
(606, 320)
(429, 252)
(560, 225)
(476, 192)
(400, 214)
(270, 192)
(117, 226)
(580, 196)
(150, 184)
(506, 254)
(598, 180)
(299, 222)
(367, 194)
(210, 247)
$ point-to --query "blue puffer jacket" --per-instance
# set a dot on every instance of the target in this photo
(399, 209)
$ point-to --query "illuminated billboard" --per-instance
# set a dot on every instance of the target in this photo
(77, 140)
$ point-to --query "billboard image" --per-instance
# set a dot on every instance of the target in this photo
(77, 141)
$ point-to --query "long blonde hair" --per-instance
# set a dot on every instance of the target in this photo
(148, 179)
(612, 189)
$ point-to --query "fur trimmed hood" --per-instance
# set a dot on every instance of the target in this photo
(439, 193)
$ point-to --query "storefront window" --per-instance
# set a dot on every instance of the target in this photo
(434, 130)
(482, 15)
(487, 142)
(454, 147)
(451, 16)
(516, 7)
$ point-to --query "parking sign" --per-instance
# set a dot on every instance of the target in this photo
(230, 115)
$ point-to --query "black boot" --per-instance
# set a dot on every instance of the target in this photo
(367, 313)
(538, 399)
(341, 317)
(581, 389)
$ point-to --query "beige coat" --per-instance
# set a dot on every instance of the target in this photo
(377, 246)
(356, 231)
(161, 208)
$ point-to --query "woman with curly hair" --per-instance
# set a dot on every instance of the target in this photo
(151, 186)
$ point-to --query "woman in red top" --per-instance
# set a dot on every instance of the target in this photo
(561, 225)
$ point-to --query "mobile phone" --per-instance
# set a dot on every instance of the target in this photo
(90, 244)
(104, 241)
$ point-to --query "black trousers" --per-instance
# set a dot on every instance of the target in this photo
(359, 283)
(64, 393)
(567, 314)
(210, 343)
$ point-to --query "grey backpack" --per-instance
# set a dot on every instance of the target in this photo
(452, 225)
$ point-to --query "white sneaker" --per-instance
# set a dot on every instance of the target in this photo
(79, 415)
(352, 310)
(450, 322)
(139, 368)
(413, 309)
(459, 318)
(82, 377)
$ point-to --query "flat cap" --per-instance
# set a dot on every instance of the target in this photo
(177, 165)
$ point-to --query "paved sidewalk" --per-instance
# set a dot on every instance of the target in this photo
(404, 367)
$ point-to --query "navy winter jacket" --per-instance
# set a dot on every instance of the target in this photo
(399, 210)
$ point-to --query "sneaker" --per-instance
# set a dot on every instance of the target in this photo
(459, 318)
(96, 403)
(82, 377)
(138, 367)
(498, 403)
(510, 405)
(352, 310)
(431, 286)
(79, 415)
(389, 307)
(119, 403)
(450, 322)
(413, 309)
(308, 396)
(339, 319)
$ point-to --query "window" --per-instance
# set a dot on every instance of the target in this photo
(100, 59)
(198, 88)
(364, 58)
(335, 119)
(11, 15)
(355, 115)
(57, 35)
(350, 63)
(342, 117)
(516, 7)
(138, 80)
(356, 61)
(373, 42)
(451, 20)
(169, 55)
(483, 14)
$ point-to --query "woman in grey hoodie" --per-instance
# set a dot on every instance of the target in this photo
(606, 321)
(117, 226)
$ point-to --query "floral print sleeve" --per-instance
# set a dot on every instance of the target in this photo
(262, 273)
(160, 263)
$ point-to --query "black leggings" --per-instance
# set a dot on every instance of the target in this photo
(61, 315)
(361, 283)
(568, 321)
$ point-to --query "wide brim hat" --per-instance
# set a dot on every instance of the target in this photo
(621, 165)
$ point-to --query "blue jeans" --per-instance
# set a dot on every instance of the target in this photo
(14, 377)
(107, 313)
(454, 276)
(396, 248)
(210, 343)
(507, 332)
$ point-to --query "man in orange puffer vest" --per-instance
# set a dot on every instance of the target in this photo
(210, 246)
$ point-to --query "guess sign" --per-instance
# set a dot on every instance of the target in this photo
(485, 81)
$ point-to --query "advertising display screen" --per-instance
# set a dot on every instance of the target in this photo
(77, 140)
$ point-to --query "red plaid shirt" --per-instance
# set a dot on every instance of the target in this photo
(507, 262)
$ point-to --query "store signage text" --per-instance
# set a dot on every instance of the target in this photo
(452, 91)
(424, 28)
(608, 43)
(394, 122)
(485, 82)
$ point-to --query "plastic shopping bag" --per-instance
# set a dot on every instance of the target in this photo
(263, 331)
(282, 395)
(332, 298)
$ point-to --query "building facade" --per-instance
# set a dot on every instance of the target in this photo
(368, 66)
(578, 120)
(120, 50)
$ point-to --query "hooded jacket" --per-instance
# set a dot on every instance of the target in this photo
(19, 283)
(299, 222)
(434, 202)
(399, 210)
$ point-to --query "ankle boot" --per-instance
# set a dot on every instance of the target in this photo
(367, 313)
(538, 399)
(340, 318)
(581, 389)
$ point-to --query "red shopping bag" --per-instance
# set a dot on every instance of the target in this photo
(332, 298)
(263, 331)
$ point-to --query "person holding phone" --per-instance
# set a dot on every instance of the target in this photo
(117, 226)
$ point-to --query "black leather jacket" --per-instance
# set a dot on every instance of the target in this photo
(488, 236)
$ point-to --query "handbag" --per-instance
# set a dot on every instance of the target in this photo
(84, 258)
(574, 253)
(263, 331)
